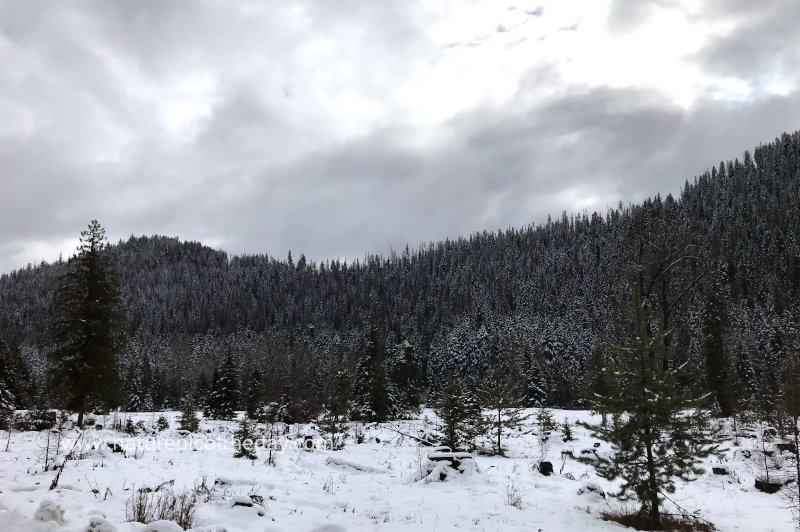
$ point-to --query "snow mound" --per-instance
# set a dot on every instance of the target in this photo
(49, 511)
(348, 464)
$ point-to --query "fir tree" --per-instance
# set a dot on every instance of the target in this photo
(657, 434)
(717, 367)
(224, 390)
(505, 400)
(370, 397)
(85, 329)
(244, 440)
(188, 419)
(332, 425)
(406, 375)
(254, 394)
(459, 415)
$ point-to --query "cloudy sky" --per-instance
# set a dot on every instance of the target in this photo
(333, 128)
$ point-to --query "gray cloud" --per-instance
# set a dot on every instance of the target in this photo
(243, 127)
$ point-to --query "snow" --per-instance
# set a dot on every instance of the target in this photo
(364, 487)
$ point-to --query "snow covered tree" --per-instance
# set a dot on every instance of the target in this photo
(14, 381)
(254, 394)
(459, 416)
(86, 328)
(505, 400)
(790, 402)
(245, 440)
(718, 370)
(224, 390)
(188, 419)
(333, 424)
(370, 400)
(657, 434)
(406, 374)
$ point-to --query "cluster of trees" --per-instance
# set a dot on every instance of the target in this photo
(542, 299)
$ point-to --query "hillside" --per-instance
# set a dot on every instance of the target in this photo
(545, 297)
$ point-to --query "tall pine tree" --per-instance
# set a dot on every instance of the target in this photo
(85, 331)
(370, 398)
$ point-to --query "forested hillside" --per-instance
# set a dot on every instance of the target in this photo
(721, 264)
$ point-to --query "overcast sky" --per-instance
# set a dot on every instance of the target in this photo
(333, 128)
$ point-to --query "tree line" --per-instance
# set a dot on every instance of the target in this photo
(719, 265)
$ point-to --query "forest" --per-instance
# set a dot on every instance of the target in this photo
(719, 266)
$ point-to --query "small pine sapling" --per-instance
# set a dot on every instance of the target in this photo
(244, 440)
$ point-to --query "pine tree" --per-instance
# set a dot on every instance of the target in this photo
(717, 367)
(188, 419)
(459, 415)
(333, 424)
(15, 381)
(370, 398)
(657, 434)
(406, 375)
(254, 394)
(86, 329)
(224, 390)
(790, 402)
(505, 400)
(245, 439)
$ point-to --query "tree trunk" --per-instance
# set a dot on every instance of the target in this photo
(499, 432)
(797, 460)
(80, 419)
(655, 515)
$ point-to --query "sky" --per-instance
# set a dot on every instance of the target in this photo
(339, 128)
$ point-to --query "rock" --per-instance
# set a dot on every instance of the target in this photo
(569, 476)
(546, 468)
(591, 487)
(98, 427)
(596, 444)
(720, 470)
(242, 500)
(162, 526)
(771, 486)
(115, 447)
(786, 446)
(98, 523)
(453, 459)
(49, 511)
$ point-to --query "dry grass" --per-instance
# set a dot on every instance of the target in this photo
(669, 522)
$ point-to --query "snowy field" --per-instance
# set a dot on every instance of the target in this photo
(375, 485)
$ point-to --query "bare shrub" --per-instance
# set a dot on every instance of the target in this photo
(513, 495)
(146, 506)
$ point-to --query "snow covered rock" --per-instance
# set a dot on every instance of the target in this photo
(98, 523)
(720, 470)
(162, 526)
(49, 511)
(592, 488)
(242, 500)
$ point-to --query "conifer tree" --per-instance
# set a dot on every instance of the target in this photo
(406, 375)
(657, 434)
(14, 381)
(718, 372)
(188, 419)
(245, 439)
(332, 425)
(505, 401)
(459, 415)
(86, 327)
(254, 394)
(224, 390)
(370, 398)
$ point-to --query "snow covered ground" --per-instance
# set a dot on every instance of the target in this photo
(375, 485)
